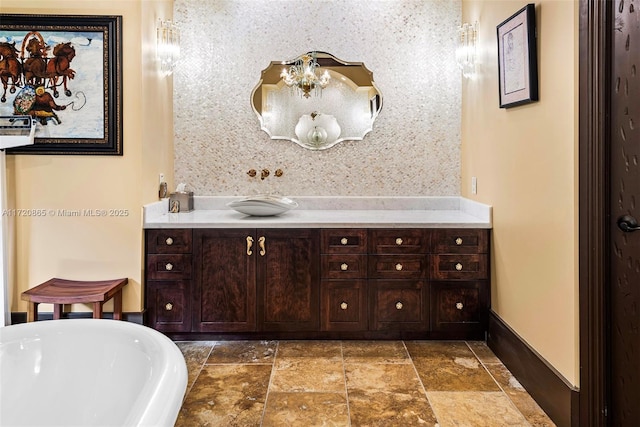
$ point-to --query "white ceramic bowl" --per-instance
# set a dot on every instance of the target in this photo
(263, 205)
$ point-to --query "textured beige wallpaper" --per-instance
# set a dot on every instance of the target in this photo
(414, 148)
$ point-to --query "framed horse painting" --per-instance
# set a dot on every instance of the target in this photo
(64, 71)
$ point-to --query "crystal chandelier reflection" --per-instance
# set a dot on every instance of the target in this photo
(303, 75)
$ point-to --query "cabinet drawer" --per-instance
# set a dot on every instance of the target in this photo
(168, 306)
(399, 241)
(459, 267)
(398, 267)
(343, 241)
(461, 241)
(343, 305)
(170, 241)
(399, 305)
(167, 267)
(459, 306)
(344, 266)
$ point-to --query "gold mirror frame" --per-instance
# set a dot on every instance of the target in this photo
(344, 110)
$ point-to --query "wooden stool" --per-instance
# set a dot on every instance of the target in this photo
(60, 291)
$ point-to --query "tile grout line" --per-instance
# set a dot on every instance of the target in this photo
(195, 378)
(484, 366)
(344, 376)
(424, 389)
(273, 372)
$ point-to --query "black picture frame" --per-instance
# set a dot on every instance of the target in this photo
(73, 61)
(518, 58)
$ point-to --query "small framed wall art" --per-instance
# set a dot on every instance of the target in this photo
(517, 58)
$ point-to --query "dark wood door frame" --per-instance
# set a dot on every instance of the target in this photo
(595, 41)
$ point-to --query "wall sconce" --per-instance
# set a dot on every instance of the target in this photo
(466, 48)
(167, 45)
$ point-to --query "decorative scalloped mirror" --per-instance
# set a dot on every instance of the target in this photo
(316, 100)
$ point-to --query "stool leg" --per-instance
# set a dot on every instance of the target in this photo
(57, 311)
(117, 305)
(97, 310)
(32, 311)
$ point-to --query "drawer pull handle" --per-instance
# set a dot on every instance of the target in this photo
(398, 267)
(249, 245)
(168, 306)
(169, 241)
(398, 241)
(399, 305)
(459, 267)
(459, 306)
(344, 267)
(263, 250)
(168, 267)
(344, 240)
(344, 305)
(459, 241)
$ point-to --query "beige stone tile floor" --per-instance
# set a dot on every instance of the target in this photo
(352, 383)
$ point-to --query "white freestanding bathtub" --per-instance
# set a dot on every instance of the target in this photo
(89, 372)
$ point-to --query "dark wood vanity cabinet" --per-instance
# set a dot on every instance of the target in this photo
(398, 287)
(319, 283)
(459, 273)
(168, 280)
(343, 288)
(249, 280)
(232, 280)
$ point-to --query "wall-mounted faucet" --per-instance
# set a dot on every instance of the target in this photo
(264, 173)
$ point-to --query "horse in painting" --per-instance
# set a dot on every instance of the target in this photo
(35, 66)
(10, 68)
(59, 67)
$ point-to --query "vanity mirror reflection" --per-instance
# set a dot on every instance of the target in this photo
(316, 100)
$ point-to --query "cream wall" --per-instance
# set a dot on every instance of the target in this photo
(96, 247)
(525, 160)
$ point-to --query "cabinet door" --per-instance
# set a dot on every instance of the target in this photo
(168, 307)
(344, 305)
(225, 280)
(288, 273)
(459, 306)
(399, 305)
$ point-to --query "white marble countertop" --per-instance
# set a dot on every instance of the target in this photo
(329, 212)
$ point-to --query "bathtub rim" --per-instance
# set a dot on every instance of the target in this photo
(164, 400)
